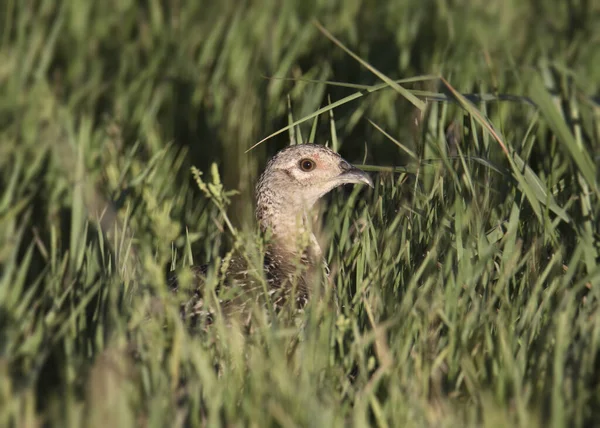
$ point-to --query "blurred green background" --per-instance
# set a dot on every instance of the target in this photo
(468, 281)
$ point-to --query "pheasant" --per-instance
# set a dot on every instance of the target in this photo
(292, 182)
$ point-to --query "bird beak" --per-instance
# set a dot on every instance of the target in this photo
(351, 174)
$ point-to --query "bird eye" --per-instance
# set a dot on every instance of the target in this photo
(307, 165)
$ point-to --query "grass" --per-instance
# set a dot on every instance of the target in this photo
(468, 279)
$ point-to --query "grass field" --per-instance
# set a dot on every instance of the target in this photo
(468, 280)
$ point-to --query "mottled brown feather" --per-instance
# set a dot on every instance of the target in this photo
(284, 195)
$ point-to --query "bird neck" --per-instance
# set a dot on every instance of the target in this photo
(287, 222)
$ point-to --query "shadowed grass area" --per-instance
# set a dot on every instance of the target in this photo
(467, 281)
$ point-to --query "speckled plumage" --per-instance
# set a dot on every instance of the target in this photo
(285, 193)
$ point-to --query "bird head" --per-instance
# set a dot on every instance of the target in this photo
(296, 177)
(306, 172)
